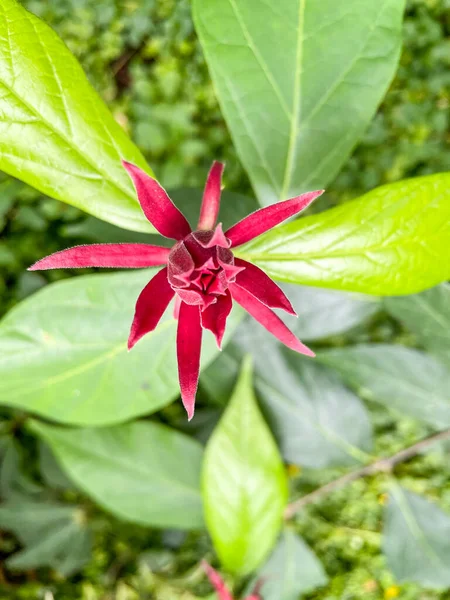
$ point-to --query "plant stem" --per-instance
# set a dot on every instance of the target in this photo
(383, 465)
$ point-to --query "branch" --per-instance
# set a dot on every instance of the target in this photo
(384, 465)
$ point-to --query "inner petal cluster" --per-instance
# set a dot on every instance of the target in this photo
(201, 267)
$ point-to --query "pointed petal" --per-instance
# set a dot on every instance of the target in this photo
(217, 582)
(265, 218)
(255, 281)
(122, 256)
(150, 306)
(215, 317)
(157, 206)
(218, 239)
(189, 341)
(268, 319)
(211, 197)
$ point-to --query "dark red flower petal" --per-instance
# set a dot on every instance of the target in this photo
(268, 319)
(211, 197)
(255, 281)
(265, 218)
(217, 582)
(215, 316)
(189, 341)
(123, 256)
(150, 306)
(157, 206)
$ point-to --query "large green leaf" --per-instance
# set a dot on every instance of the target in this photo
(53, 535)
(243, 482)
(63, 352)
(393, 240)
(428, 316)
(55, 132)
(143, 472)
(298, 81)
(317, 421)
(292, 569)
(406, 380)
(417, 540)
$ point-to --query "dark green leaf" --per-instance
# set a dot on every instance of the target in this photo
(317, 421)
(243, 482)
(63, 352)
(143, 472)
(322, 313)
(55, 132)
(392, 241)
(298, 81)
(406, 380)
(428, 316)
(53, 535)
(292, 569)
(417, 540)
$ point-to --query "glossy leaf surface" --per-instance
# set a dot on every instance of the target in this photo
(55, 132)
(63, 352)
(243, 482)
(142, 472)
(298, 82)
(392, 241)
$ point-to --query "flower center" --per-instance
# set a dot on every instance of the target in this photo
(201, 267)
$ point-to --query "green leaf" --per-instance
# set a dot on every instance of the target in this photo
(142, 472)
(292, 569)
(427, 315)
(53, 535)
(63, 352)
(317, 421)
(298, 82)
(405, 380)
(244, 484)
(393, 240)
(55, 132)
(343, 311)
(417, 540)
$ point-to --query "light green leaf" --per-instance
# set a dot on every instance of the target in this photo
(317, 421)
(428, 316)
(55, 132)
(392, 241)
(53, 535)
(298, 81)
(417, 540)
(142, 472)
(63, 352)
(408, 381)
(292, 569)
(243, 482)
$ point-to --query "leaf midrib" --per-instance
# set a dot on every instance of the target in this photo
(61, 135)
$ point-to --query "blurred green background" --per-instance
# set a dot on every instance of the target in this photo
(145, 60)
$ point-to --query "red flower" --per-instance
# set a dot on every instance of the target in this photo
(222, 591)
(201, 271)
